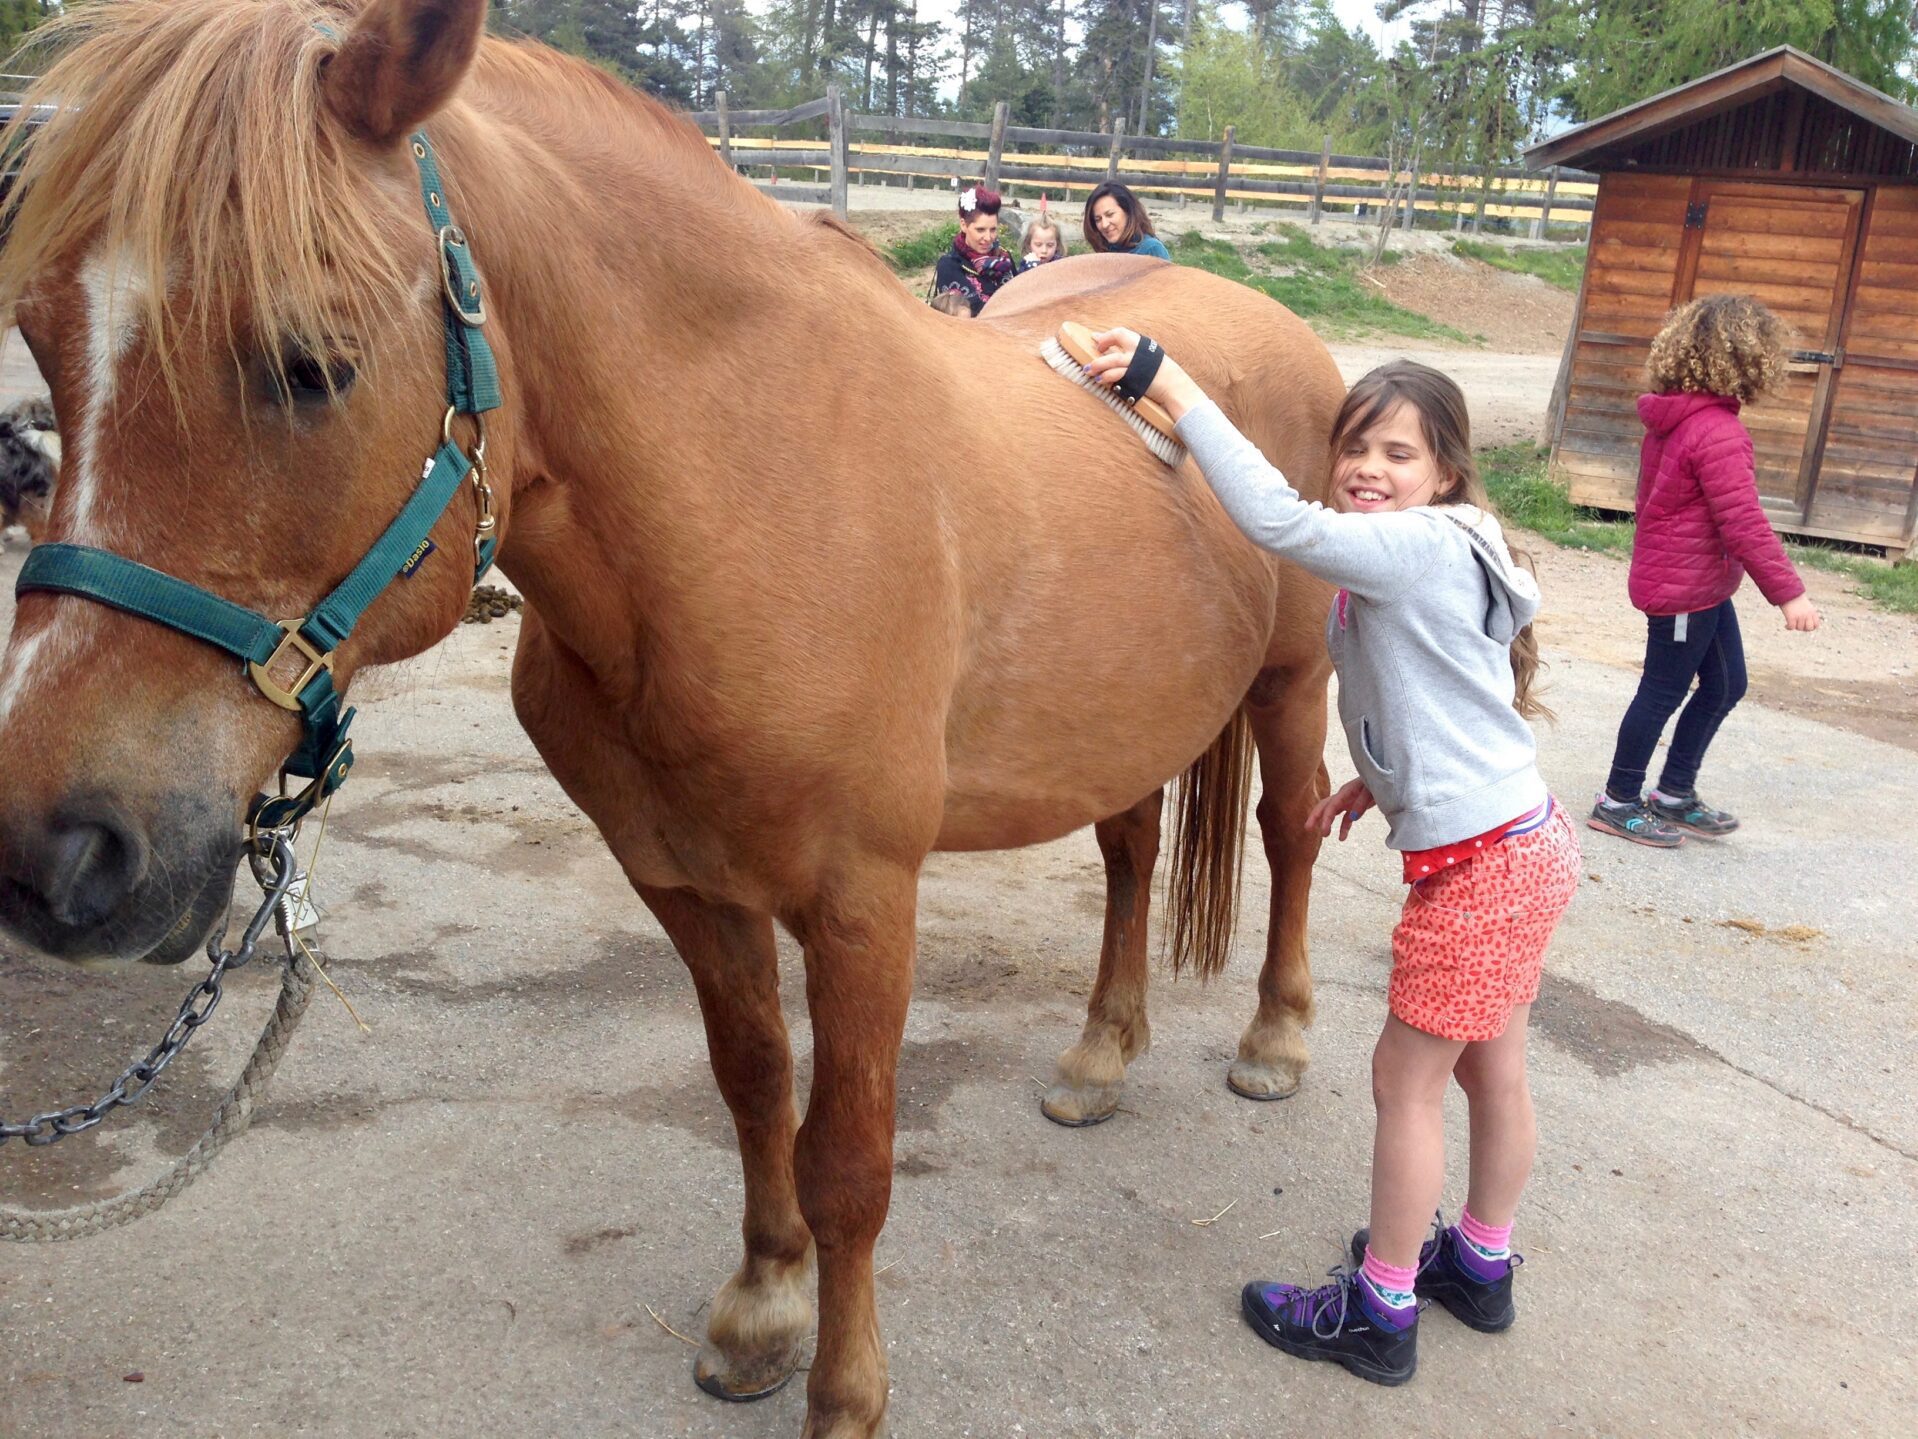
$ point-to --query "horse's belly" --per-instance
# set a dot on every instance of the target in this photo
(1091, 687)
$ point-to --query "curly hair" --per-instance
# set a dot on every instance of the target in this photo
(1720, 345)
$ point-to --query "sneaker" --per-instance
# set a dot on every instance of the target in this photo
(1444, 1275)
(1340, 1321)
(1692, 815)
(1635, 821)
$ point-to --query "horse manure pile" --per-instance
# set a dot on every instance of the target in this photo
(489, 603)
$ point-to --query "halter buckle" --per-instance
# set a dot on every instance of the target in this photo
(466, 301)
(288, 697)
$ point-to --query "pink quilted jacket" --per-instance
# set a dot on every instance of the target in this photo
(1700, 526)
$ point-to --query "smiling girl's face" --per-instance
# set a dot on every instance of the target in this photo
(1387, 467)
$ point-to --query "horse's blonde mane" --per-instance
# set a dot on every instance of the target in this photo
(189, 138)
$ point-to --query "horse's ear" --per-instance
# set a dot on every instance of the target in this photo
(401, 61)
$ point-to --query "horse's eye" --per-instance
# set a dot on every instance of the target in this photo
(308, 378)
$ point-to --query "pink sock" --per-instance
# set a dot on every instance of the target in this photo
(1492, 1241)
(1390, 1282)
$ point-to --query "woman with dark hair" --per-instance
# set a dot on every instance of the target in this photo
(1115, 221)
(975, 267)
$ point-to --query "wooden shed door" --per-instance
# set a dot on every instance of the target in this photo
(1867, 486)
(1791, 247)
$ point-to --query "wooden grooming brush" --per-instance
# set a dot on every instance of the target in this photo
(1070, 350)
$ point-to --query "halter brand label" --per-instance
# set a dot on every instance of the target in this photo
(417, 558)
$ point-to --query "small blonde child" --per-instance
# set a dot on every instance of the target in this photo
(951, 302)
(1044, 241)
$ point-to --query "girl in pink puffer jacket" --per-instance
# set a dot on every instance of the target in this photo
(1701, 529)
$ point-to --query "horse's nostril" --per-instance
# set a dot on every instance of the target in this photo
(96, 861)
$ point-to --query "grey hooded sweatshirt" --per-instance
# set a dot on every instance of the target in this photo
(1421, 640)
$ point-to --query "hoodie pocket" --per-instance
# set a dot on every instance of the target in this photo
(1369, 743)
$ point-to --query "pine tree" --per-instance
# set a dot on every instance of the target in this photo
(17, 17)
(1653, 45)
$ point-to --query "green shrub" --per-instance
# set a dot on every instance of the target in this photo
(921, 250)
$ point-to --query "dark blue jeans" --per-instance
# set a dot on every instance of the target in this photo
(1679, 649)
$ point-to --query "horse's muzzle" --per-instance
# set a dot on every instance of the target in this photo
(86, 881)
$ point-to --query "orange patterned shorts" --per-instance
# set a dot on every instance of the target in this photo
(1470, 944)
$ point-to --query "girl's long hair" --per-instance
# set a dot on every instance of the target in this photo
(1440, 406)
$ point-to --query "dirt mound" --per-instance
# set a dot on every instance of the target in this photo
(1516, 314)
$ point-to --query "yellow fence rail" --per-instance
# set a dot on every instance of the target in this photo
(1065, 162)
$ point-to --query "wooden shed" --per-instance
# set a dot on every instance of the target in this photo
(1789, 181)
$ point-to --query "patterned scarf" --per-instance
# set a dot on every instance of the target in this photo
(984, 273)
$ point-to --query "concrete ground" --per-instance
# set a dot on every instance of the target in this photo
(459, 1223)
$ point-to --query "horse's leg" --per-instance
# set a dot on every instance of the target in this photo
(859, 957)
(1092, 1072)
(761, 1316)
(1287, 710)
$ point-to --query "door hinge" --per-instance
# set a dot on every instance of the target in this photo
(1695, 215)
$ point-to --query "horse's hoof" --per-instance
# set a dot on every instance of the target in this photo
(1075, 1109)
(742, 1386)
(1251, 1080)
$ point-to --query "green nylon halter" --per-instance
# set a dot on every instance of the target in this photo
(325, 754)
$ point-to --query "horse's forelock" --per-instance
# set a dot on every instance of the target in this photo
(189, 136)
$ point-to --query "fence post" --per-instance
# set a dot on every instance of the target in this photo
(1118, 144)
(1318, 182)
(836, 144)
(1540, 220)
(1484, 194)
(997, 145)
(725, 129)
(1218, 185)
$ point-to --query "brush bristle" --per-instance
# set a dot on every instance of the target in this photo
(1166, 450)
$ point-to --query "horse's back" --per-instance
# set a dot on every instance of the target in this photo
(1263, 365)
(1110, 606)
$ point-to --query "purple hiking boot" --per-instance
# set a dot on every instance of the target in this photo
(1340, 1321)
(1477, 1291)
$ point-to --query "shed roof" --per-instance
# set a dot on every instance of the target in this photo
(1735, 85)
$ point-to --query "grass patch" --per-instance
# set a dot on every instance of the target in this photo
(921, 250)
(1890, 587)
(1220, 258)
(1526, 496)
(1561, 268)
(1323, 285)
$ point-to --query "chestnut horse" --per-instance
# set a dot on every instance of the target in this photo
(791, 624)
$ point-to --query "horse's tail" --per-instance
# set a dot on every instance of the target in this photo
(1208, 850)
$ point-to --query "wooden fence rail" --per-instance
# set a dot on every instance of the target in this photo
(1220, 171)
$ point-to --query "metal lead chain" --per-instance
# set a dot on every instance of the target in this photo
(274, 872)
